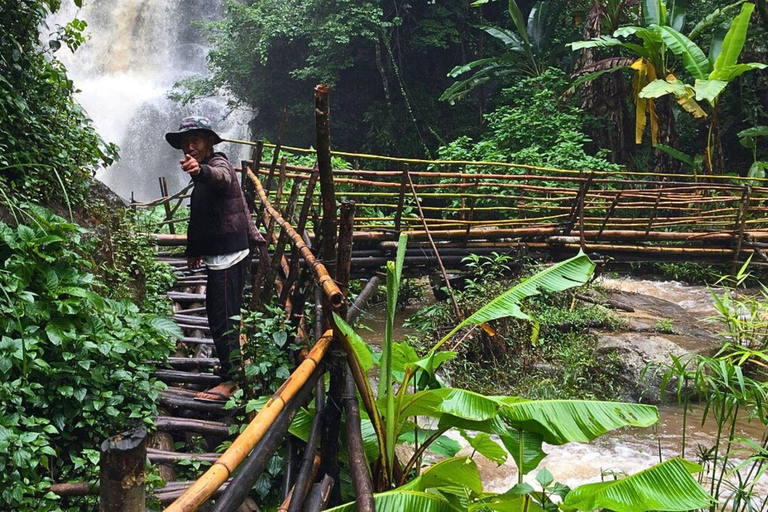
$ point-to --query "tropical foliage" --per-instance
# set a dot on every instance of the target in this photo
(73, 360)
(521, 425)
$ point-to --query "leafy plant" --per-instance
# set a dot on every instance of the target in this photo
(74, 364)
(522, 425)
(530, 50)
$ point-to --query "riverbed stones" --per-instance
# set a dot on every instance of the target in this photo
(652, 333)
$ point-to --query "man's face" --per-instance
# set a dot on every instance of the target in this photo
(197, 144)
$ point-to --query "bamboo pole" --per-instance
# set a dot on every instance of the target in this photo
(741, 220)
(203, 488)
(320, 495)
(293, 272)
(401, 198)
(312, 476)
(434, 249)
(257, 460)
(303, 482)
(332, 291)
(327, 190)
(358, 467)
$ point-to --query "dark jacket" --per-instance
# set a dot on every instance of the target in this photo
(219, 221)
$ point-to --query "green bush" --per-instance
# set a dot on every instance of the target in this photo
(73, 362)
(47, 142)
(536, 127)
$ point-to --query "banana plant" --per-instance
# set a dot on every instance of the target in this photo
(748, 139)
(711, 73)
(529, 49)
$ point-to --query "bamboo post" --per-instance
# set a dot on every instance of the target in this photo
(471, 209)
(327, 191)
(312, 476)
(245, 183)
(303, 483)
(206, 485)
(278, 197)
(581, 212)
(401, 198)
(741, 221)
(293, 272)
(276, 153)
(362, 298)
(254, 465)
(279, 252)
(121, 472)
(434, 248)
(573, 216)
(358, 467)
(610, 212)
(321, 495)
(166, 205)
(653, 213)
(344, 255)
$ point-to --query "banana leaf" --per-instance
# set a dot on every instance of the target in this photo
(694, 59)
(517, 19)
(712, 18)
(402, 501)
(567, 274)
(654, 12)
(557, 421)
(485, 446)
(666, 486)
(709, 89)
(455, 476)
(734, 39)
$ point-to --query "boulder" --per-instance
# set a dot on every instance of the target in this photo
(654, 331)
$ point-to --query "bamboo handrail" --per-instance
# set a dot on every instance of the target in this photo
(484, 163)
(332, 291)
(199, 492)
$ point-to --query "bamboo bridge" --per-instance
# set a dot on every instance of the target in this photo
(326, 226)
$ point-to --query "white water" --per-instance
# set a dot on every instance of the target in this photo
(137, 50)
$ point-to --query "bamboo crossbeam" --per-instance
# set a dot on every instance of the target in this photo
(332, 291)
(221, 470)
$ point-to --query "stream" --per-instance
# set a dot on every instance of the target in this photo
(625, 451)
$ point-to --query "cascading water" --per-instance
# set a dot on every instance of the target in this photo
(137, 50)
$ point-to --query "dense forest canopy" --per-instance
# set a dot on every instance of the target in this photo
(389, 65)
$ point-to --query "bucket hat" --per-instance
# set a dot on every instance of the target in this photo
(189, 124)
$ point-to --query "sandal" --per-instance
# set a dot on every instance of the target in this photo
(222, 398)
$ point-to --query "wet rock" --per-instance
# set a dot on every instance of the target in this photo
(641, 343)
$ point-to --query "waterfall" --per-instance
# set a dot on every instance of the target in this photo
(136, 51)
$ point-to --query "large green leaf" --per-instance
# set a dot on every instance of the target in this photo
(567, 274)
(565, 421)
(653, 12)
(402, 501)
(729, 73)
(533, 453)
(506, 503)
(451, 475)
(541, 21)
(659, 88)
(733, 42)
(747, 137)
(443, 446)
(517, 19)
(666, 486)
(362, 350)
(487, 447)
(509, 38)
(675, 153)
(712, 18)
(694, 59)
(709, 89)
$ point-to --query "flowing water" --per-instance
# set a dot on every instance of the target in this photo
(622, 452)
(137, 50)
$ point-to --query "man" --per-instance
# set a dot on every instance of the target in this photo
(219, 235)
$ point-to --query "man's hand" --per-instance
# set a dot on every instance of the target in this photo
(194, 263)
(190, 166)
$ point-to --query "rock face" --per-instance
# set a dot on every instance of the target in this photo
(655, 330)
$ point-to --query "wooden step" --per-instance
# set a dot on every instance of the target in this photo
(195, 426)
(190, 319)
(183, 402)
(190, 363)
(207, 379)
(193, 327)
(165, 457)
(197, 341)
(186, 297)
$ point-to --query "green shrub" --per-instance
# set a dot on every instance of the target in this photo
(534, 127)
(73, 363)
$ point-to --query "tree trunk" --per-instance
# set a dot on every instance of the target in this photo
(121, 472)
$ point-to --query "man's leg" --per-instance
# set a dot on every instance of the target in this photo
(224, 297)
